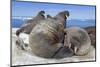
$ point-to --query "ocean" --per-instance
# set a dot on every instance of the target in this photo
(17, 23)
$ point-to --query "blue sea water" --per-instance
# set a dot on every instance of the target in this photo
(17, 23)
(81, 23)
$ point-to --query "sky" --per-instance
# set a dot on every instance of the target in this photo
(32, 8)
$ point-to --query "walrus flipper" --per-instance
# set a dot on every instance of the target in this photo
(63, 52)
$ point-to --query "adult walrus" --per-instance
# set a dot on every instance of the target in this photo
(27, 28)
(47, 36)
(61, 18)
(79, 40)
(92, 33)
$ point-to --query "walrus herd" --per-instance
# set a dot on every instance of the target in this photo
(50, 38)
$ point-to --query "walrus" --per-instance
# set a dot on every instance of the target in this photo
(47, 36)
(61, 18)
(79, 40)
(49, 16)
(27, 28)
(92, 33)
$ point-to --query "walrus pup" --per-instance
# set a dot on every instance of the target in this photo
(46, 37)
(28, 26)
(80, 40)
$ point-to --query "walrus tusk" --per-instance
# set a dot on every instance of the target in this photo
(75, 49)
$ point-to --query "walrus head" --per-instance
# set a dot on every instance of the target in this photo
(80, 40)
(62, 17)
(41, 13)
(63, 14)
(48, 16)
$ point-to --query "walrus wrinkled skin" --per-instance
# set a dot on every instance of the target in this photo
(92, 33)
(60, 19)
(28, 26)
(44, 38)
(47, 36)
(79, 40)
